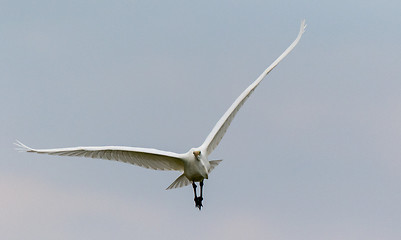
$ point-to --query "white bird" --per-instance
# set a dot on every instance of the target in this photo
(194, 164)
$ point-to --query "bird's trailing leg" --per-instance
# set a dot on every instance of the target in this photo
(201, 190)
(198, 200)
(194, 186)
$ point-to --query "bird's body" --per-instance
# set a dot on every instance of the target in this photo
(194, 164)
(196, 169)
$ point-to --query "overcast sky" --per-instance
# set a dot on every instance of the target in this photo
(313, 154)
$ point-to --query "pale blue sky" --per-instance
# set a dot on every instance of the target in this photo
(313, 154)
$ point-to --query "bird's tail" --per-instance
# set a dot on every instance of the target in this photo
(214, 164)
(183, 181)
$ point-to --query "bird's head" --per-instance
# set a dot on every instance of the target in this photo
(202, 162)
(197, 154)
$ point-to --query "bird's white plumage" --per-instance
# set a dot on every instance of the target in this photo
(183, 181)
(194, 163)
(143, 157)
(217, 133)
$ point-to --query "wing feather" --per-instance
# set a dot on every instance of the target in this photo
(143, 157)
(217, 133)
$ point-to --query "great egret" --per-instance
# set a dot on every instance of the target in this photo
(194, 164)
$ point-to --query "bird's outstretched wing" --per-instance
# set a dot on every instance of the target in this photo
(222, 125)
(143, 157)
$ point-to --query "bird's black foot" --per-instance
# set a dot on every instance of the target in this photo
(198, 202)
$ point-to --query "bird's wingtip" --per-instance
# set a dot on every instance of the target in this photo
(21, 147)
(303, 25)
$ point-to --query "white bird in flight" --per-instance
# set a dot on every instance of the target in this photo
(194, 164)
